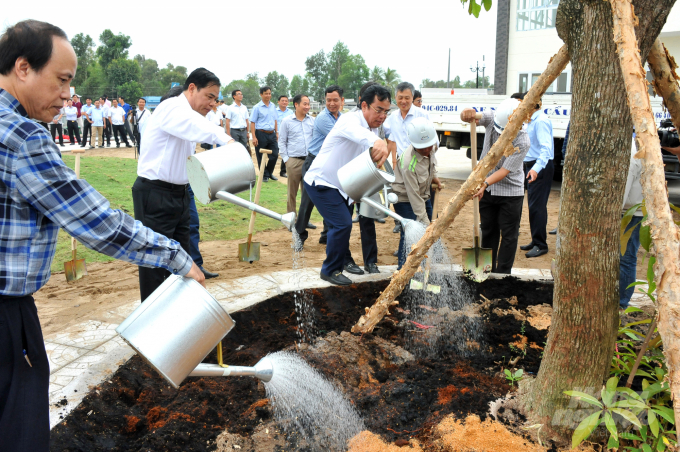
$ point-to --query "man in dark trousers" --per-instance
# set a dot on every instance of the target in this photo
(264, 130)
(161, 192)
(39, 195)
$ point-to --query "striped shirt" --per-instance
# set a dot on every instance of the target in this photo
(295, 136)
(39, 194)
(513, 183)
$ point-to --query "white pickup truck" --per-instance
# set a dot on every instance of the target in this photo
(444, 109)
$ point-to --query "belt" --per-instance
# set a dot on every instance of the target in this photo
(163, 184)
(242, 128)
(265, 131)
(13, 297)
(299, 158)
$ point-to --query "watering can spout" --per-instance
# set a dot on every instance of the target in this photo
(288, 219)
(386, 210)
(263, 370)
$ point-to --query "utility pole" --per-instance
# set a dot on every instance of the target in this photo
(448, 75)
(483, 68)
(478, 68)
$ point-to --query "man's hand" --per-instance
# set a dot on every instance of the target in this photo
(532, 176)
(197, 274)
(468, 115)
(435, 180)
(480, 193)
(254, 140)
(379, 153)
(675, 151)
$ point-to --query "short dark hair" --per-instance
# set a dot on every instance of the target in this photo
(417, 95)
(334, 88)
(201, 78)
(519, 96)
(373, 92)
(282, 96)
(233, 93)
(365, 87)
(298, 98)
(403, 86)
(121, 97)
(174, 92)
(265, 89)
(141, 98)
(30, 39)
(88, 98)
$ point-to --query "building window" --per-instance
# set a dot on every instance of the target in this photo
(526, 81)
(536, 14)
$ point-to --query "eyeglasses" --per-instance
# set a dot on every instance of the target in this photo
(380, 112)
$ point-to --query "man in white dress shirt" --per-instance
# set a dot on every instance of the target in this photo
(353, 134)
(397, 123)
(160, 195)
(295, 135)
(139, 119)
(107, 121)
(238, 119)
(72, 123)
(117, 116)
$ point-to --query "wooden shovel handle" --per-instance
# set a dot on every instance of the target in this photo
(265, 151)
(473, 158)
(256, 200)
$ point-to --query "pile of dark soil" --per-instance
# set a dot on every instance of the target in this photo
(137, 410)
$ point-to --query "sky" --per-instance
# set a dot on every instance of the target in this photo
(413, 38)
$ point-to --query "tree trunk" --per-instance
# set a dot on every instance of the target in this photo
(585, 317)
(666, 238)
(665, 82)
(502, 146)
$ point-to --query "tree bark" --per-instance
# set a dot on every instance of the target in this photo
(665, 235)
(503, 145)
(585, 316)
(665, 82)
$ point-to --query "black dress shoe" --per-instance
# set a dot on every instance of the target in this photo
(353, 269)
(553, 232)
(371, 268)
(381, 220)
(265, 179)
(207, 274)
(337, 278)
(283, 174)
(396, 253)
(273, 178)
(311, 226)
(323, 240)
(397, 228)
(536, 251)
(527, 247)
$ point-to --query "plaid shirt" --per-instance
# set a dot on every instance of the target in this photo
(39, 194)
(513, 183)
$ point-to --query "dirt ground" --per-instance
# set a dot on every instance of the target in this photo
(109, 285)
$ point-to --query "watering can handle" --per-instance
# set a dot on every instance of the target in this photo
(263, 164)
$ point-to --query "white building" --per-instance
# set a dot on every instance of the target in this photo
(526, 39)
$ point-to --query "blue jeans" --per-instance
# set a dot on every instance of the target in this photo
(628, 263)
(405, 210)
(194, 234)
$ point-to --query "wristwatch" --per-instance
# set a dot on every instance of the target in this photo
(487, 184)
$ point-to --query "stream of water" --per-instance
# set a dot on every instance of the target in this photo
(305, 314)
(304, 402)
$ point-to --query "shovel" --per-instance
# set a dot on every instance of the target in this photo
(250, 251)
(75, 269)
(415, 284)
(477, 261)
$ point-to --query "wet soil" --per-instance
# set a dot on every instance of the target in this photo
(398, 394)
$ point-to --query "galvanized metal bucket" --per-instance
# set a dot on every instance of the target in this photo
(176, 327)
(361, 178)
(226, 168)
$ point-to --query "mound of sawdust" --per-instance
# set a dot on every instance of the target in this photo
(474, 435)
(370, 442)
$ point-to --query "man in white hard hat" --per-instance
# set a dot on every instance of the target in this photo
(502, 193)
(415, 173)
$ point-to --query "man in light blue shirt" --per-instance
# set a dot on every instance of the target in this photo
(282, 112)
(322, 126)
(295, 134)
(87, 124)
(538, 170)
(96, 116)
(264, 131)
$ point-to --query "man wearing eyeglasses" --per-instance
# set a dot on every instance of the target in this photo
(352, 135)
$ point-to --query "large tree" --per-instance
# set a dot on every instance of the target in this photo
(316, 72)
(585, 319)
(335, 60)
(113, 47)
(277, 82)
(84, 48)
(121, 71)
(354, 74)
(299, 85)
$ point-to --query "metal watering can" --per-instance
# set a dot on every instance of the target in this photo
(175, 329)
(362, 180)
(224, 171)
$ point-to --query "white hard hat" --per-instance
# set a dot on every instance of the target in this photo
(421, 133)
(503, 113)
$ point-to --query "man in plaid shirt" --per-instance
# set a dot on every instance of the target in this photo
(38, 195)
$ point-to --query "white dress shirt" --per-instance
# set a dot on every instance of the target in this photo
(170, 137)
(117, 115)
(396, 127)
(350, 137)
(223, 109)
(142, 117)
(71, 113)
(214, 117)
(105, 112)
(237, 116)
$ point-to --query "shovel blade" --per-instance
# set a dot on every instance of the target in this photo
(415, 285)
(477, 263)
(75, 269)
(249, 254)
(434, 289)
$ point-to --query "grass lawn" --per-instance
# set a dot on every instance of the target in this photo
(113, 178)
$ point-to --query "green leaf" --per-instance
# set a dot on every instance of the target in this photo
(645, 238)
(630, 404)
(625, 236)
(519, 373)
(650, 270)
(487, 4)
(612, 443)
(630, 436)
(627, 415)
(632, 309)
(665, 413)
(474, 8)
(630, 393)
(653, 423)
(611, 426)
(585, 397)
(646, 448)
(507, 373)
(677, 209)
(585, 428)
(609, 390)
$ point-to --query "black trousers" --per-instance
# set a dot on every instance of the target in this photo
(59, 130)
(128, 130)
(164, 208)
(107, 133)
(500, 216)
(120, 130)
(283, 169)
(73, 129)
(24, 388)
(267, 141)
(87, 129)
(538, 192)
(306, 206)
(369, 240)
